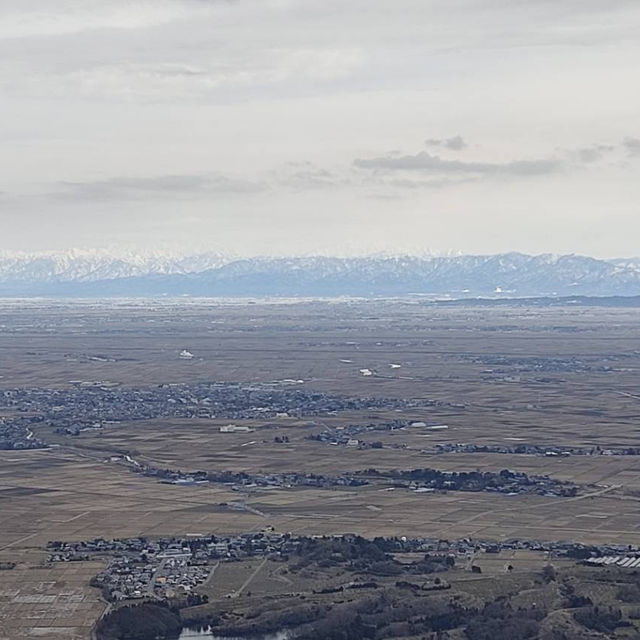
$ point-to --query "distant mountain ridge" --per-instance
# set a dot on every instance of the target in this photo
(89, 274)
(88, 266)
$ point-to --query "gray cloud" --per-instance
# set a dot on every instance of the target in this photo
(428, 183)
(593, 153)
(179, 186)
(439, 172)
(632, 145)
(306, 175)
(428, 164)
(456, 143)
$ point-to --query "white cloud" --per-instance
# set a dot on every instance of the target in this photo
(34, 18)
(244, 117)
(166, 186)
(428, 164)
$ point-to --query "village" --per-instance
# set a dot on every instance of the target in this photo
(170, 567)
(95, 405)
(418, 480)
(17, 435)
(348, 436)
(549, 451)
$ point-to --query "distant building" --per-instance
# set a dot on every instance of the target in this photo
(235, 428)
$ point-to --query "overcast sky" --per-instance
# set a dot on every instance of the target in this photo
(307, 126)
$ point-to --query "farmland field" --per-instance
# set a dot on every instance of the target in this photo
(424, 376)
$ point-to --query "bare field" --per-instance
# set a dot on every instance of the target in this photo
(198, 444)
(565, 377)
(49, 601)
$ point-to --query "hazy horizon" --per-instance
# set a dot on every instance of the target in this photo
(167, 253)
(282, 127)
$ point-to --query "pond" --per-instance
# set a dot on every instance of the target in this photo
(191, 634)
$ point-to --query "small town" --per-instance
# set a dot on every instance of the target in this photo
(95, 405)
(532, 450)
(501, 364)
(16, 435)
(506, 482)
(171, 567)
(419, 480)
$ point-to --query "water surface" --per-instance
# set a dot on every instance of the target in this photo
(191, 634)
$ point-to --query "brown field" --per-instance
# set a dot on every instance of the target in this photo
(45, 601)
(546, 376)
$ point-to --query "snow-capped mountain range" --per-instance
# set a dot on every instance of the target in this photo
(94, 265)
(102, 274)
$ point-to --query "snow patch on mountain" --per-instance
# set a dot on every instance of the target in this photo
(78, 265)
(103, 273)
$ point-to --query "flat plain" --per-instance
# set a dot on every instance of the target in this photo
(549, 376)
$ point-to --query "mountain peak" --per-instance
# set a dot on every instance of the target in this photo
(102, 273)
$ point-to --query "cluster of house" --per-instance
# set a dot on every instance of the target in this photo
(241, 480)
(509, 364)
(90, 406)
(16, 434)
(166, 567)
(170, 574)
(533, 450)
(170, 567)
(418, 480)
(347, 435)
(505, 482)
(294, 479)
(464, 547)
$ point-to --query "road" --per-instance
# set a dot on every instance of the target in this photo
(210, 576)
(156, 575)
(247, 582)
